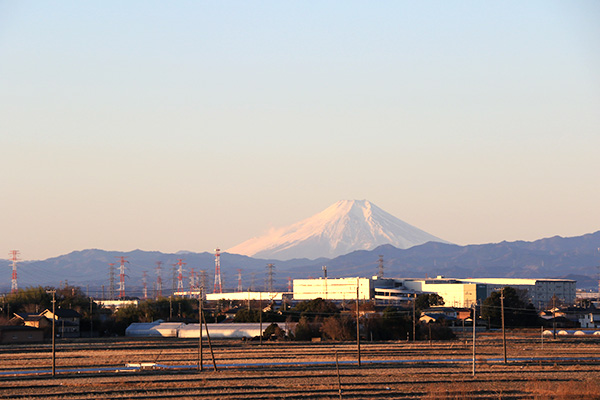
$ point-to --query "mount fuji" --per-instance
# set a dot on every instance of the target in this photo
(344, 227)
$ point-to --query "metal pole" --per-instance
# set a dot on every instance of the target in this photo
(503, 331)
(358, 320)
(474, 319)
(200, 332)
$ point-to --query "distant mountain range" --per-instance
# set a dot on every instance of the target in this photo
(556, 257)
(345, 226)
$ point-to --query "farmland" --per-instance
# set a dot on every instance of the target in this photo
(97, 368)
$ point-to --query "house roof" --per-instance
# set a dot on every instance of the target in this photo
(30, 317)
(63, 313)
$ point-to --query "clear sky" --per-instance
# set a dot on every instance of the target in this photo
(190, 125)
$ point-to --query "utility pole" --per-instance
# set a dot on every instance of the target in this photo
(325, 281)
(260, 315)
(474, 324)
(91, 317)
(53, 292)
(503, 331)
(554, 316)
(200, 331)
(358, 319)
(414, 316)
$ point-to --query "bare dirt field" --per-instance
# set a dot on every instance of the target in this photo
(565, 368)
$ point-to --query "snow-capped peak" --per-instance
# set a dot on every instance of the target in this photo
(345, 226)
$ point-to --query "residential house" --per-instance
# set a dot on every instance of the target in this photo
(67, 322)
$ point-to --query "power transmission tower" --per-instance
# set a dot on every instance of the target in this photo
(203, 281)
(270, 273)
(218, 288)
(252, 281)
(192, 280)
(111, 281)
(289, 285)
(380, 271)
(158, 292)
(239, 287)
(145, 282)
(14, 254)
(174, 278)
(122, 276)
(180, 265)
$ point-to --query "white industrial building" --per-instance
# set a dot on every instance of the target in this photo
(177, 329)
(539, 291)
(455, 292)
(333, 289)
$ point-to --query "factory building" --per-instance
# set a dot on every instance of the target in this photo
(455, 292)
(334, 289)
(538, 291)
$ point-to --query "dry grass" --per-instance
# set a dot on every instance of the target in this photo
(541, 379)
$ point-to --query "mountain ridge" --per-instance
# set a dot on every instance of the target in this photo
(554, 257)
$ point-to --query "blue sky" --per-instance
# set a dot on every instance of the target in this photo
(190, 125)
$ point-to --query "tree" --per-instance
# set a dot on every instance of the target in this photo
(428, 300)
(517, 312)
(314, 308)
(339, 327)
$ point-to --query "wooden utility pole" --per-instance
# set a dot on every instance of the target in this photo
(553, 316)
(209, 343)
(358, 320)
(474, 324)
(91, 317)
(260, 316)
(200, 367)
(414, 320)
(53, 292)
(503, 331)
(337, 368)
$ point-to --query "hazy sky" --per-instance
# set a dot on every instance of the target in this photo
(191, 125)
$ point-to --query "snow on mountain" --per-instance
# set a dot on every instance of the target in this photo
(346, 226)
